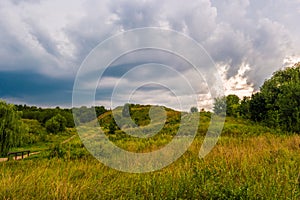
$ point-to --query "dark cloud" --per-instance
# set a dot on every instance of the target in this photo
(33, 88)
(43, 43)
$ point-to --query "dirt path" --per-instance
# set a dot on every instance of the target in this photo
(19, 157)
(69, 139)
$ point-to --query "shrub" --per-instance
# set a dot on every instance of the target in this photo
(56, 124)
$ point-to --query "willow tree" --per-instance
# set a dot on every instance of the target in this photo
(10, 127)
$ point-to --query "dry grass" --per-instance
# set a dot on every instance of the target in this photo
(253, 167)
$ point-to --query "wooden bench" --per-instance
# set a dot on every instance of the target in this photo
(16, 153)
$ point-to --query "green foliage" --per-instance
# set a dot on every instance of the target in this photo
(280, 100)
(244, 108)
(56, 124)
(277, 105)
(139, 117)
(250, 161)
(112, 127)
(34, 126)
(238, 127)
(194, 109)
(56, 151)
(258, 110)
(100, 110)
(84, 114)
(220, 106)
(11, 128)
(228, 105)
(44, 114)
(70, 149)
(232, 104)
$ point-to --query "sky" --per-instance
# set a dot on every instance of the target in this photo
(43, 43)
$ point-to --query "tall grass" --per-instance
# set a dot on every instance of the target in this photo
(249, 161)
(245, 167)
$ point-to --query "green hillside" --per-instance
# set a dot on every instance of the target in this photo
(250, 161)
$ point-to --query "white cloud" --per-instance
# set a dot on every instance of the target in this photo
(32, 37)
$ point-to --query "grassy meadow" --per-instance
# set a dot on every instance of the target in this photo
(249, 161)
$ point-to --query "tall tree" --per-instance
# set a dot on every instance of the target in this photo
(220, 106)
(258, 108)
(232, 104)
(244, 108)
(281, 95)
(10, 127)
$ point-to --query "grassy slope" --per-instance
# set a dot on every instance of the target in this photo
(249, 161)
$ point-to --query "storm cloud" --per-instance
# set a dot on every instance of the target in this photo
(51, 38)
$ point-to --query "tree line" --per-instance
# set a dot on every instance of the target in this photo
(14, 132)
(277, 104)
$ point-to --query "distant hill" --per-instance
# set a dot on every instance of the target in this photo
(139, 117)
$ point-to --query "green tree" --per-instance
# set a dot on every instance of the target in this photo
(232, 104)
(220, 106)
(288, 114)
(194, 109)
(112, 127)
(84, 114)
(278, 103)
(244, 108)
(100, 110)
(258, 108)
(56, 124)
(10, 127)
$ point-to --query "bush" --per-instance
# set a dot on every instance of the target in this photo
(57, 151)
(56, 124)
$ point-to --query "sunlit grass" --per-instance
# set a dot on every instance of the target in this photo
(249, 161)
(255, 167)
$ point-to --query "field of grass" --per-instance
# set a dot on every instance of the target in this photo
(248, 162)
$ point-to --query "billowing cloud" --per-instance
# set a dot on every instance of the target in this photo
(51, 38)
